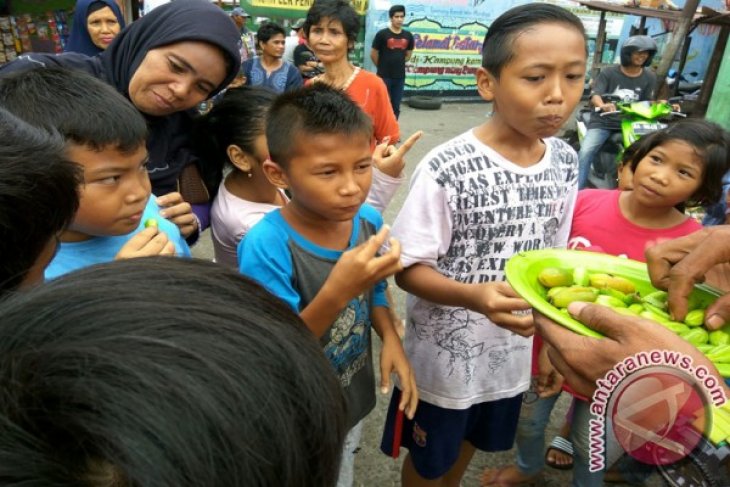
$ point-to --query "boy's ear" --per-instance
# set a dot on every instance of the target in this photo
(238, 158)
(486, 84)
(275, 174)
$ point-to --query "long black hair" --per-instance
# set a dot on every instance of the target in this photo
(238, 119)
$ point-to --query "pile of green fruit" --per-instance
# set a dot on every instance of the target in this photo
(564, 286)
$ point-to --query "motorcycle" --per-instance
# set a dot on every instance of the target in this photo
(638, 118)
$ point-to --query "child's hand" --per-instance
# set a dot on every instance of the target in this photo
(549, 380)
(393, 359)
(146, 243)
(178, 211)
(389, 159)
(497, 301)
(361, 268)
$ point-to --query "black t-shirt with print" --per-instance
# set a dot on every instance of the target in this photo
(392, 50)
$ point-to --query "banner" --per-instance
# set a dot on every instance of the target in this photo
(299, 5)
(444, 55)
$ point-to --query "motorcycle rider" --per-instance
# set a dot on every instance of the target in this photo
(631, 81)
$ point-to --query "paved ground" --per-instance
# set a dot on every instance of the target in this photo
(372, 468)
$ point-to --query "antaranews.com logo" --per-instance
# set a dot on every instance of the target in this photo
(657, 402)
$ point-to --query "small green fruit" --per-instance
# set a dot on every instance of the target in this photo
(554, 276)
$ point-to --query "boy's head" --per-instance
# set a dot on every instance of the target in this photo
(38, 199)
(319, 146)
(104, 133)
(132, 373)
(533, 67)
(326, 11)
(397, 9)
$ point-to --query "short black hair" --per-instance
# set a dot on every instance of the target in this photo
(711, 143)
(165, 372)
(85, 110)
(313, 110)
(38, 195)
(238, 119)
(498, 45)
(340, 10)
(395, 9)
(267, 30)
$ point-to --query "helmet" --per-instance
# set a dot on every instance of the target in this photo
(638, 43)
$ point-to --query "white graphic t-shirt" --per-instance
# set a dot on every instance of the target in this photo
(468, 211)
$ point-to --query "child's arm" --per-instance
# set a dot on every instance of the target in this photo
(496, 300)
(388, 176)
(358, 270)
(393, 359)
(549, 380)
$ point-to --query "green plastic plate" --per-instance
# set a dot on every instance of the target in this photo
(522, 270)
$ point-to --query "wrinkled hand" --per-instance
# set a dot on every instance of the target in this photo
(146, 243)
(178, 211)
(497, 301)
(361, 268)
(389, 159)
(677, 265)
(583, 360)
(549, 380)
(393, 360)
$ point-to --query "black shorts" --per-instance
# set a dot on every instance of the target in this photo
(435, 434)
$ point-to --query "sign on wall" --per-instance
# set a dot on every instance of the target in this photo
(444, 54)
(448, 37)
(293, 6)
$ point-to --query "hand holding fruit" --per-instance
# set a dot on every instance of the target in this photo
(148, 242)
(583, 360)
(677, 265)
(565, 287)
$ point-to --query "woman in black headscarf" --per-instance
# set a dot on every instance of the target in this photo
(166, 63)
(96, 23)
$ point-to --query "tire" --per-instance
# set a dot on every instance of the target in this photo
(424, 102)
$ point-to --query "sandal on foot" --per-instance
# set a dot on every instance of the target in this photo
(495, 477)
(563, 446)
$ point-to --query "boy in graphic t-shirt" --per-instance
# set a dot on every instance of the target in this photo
(503, 187)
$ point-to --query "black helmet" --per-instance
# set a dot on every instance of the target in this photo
(638, 43)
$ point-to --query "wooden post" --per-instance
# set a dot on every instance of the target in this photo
(670, 51)
(708, 85)
(598, 51)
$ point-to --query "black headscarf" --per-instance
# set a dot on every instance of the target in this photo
(177, 21)
(79, 40)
